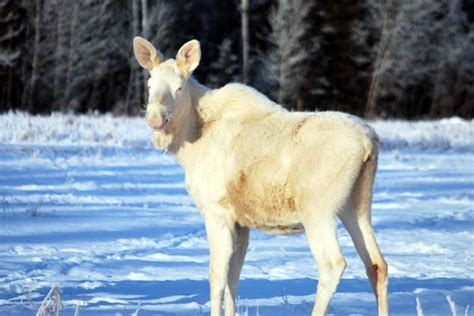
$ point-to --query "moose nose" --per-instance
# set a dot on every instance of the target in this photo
(156, 121)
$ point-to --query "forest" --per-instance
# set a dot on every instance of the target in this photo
(374, 58)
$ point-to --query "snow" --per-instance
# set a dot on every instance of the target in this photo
(108, 131)
(87, 204)
(450, 133)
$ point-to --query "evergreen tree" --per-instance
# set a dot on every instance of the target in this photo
(12, 30)
(375, 57)
(292, 48)
(226, 67)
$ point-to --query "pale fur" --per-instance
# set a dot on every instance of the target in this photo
(251, 164)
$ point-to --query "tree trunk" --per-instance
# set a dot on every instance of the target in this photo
(145, 32)
(70, 58)
(245, 40)
(24, 73)
(58, 54)
(134, 90)
(34, 65)
(280, 89)
(299, 104)
(9, 103)
(280, 83)
(383, 52)
(144, 16)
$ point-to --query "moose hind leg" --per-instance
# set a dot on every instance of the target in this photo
(356, 217)
(322, 238)
(362, 235)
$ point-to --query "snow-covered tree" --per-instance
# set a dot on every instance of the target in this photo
(291, 51)
(96, 49)
(453, 88)
(365, 55)
(380, 57)
(381, 15)
(12, 27)
(226, 67)
(428, 47)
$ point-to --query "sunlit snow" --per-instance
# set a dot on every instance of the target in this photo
(87, 204)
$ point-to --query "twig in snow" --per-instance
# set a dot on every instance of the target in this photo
(452, 305)
(419, 309)
(77, 312)
(138, 309)
(51, 303)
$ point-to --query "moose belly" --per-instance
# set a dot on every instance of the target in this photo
(263, 202)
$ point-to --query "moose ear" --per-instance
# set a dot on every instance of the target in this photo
(188, 56)
(145, 53)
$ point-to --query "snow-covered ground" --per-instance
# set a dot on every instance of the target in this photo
(88, 205)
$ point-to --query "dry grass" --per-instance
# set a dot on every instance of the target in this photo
(452, 307)
(51, 304)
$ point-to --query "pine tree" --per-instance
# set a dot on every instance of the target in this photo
(12, 29)
(292, 50)
(453, 90)
(225, 68)
(428, 61)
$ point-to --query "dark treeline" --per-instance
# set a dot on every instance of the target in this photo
(384, 58)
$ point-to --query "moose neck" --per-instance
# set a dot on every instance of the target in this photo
(186, 139)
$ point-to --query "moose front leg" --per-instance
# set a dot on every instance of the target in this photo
(241, 239)
(220, 236)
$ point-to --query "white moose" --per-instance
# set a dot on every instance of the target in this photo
(249, 163)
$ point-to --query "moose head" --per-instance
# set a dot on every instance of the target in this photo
(169, 93)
